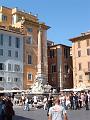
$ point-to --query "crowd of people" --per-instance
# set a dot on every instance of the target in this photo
(57, 108)
(70, 100)
(54, 104)
(74, 100)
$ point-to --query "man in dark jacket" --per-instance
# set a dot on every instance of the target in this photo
(50, 103)
(9, 112)
(86, 101)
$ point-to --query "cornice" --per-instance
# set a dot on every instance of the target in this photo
(82, 37)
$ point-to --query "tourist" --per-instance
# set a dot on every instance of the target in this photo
(49, 103)
(86, 101)
(57, 112)
(67, 101)
(23, 99)
(26, 107)
(9, 112)
(71, 101)
(83, 99)
(2, 107)
(35, 101)
(45, 102)
(76, 98)
(63, 100)
(80, 100)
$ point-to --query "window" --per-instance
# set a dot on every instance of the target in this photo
(1, 79)
(19, 18)
(29, 59)
(79, 46)
(17, 67)
(9, 42)
(1, 39)
(52, 53)
(66, 69)
(15, 79)
(9, 67)
(1, 66)
(88, 42)
(88, 66)
(66, 52)
(88, 77)
(9, 53)
(53, 68)
(16, 54)
(80, 66)
(88, 51)
(29, 76)
(79, 53)
(80, 77)
(17, 43)
(4, 17)
(30, 29)
(29, 40)
(1, 52)
(8, 80)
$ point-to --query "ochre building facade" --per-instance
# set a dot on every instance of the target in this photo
(30, 26)
(81, 60)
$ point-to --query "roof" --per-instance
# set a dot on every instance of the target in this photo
(6, 7)
(59, 45)
(80, 37)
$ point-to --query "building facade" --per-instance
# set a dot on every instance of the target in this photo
(34, 44)
(60, 66)
(11, 59)
(81, 60)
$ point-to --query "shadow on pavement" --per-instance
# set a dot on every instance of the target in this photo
(21, 118)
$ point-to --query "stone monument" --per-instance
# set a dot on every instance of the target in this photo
(40, 80)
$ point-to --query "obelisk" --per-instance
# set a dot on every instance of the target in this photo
(40, 66)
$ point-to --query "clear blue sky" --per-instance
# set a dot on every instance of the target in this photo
(67, 18)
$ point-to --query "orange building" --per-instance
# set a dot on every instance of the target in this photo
(30, 26)
(59, 66)
(81, 60)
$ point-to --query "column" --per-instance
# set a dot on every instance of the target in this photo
(40, 51)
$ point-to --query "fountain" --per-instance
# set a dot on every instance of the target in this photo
(37, 87)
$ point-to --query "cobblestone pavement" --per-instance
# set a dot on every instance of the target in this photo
(40, 114)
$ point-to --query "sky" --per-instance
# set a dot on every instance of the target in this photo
(67, 18)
